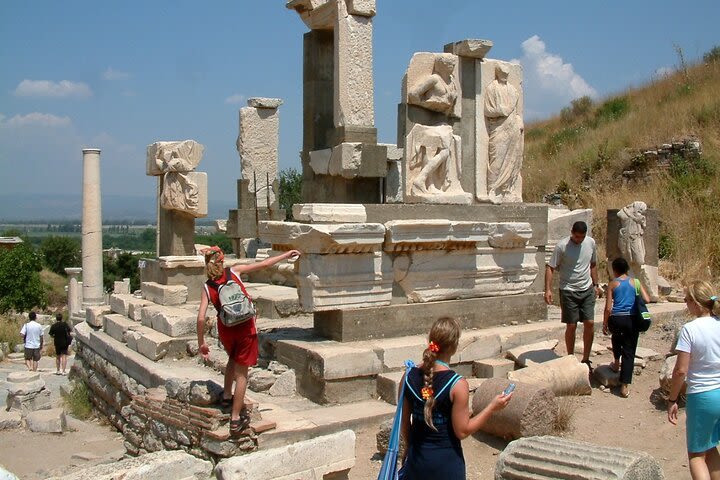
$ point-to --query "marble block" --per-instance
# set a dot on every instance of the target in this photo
(344, 281)
(323, 238)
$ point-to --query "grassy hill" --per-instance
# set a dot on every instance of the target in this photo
(581, 155)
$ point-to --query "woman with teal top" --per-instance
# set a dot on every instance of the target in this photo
(617, 320)
(436, 415)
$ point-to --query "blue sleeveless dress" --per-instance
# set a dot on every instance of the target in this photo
(432, 455)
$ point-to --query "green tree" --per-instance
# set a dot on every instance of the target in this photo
(60, 252)
(21, 288)
(219, 239)
(125, 265)
(290, 190)
(713, 55)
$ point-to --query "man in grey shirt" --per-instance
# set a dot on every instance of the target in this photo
(575, 258)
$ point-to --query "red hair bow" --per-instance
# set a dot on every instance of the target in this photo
(433, 347)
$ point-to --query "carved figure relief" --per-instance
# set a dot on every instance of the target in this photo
(505, 143)
(631, 240)
(432, 151)
(179, 192)
(433, 161)
(437, 92)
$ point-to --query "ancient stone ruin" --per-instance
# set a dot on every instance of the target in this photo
(392, 237)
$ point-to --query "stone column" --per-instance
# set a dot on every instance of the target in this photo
(546, 457)
(72, 273)
(92, 265)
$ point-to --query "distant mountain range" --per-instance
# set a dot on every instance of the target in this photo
(38, 207)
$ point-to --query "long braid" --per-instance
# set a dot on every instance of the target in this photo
(444, 336)
(429, 358)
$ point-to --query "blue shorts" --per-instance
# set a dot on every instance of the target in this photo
(703, 421)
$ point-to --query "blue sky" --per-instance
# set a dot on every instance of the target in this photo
(121, 75)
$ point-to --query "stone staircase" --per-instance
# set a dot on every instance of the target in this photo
(340, 385)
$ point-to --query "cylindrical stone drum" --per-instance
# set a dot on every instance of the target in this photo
(564, 376)
(547, 457)
(531, 411)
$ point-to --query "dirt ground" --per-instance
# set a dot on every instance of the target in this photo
(638, 422)
(634, 423)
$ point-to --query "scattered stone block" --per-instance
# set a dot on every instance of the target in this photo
(9, 421)
(665, 377)
(31, 402)
(564, 376)
(532, 410)
(262, 426)
(6, 475)
(260, 380)
(535, 353)
(493, 368)
(46, 421)
(547, 457)
(606, 377)
(135, 307)
(164, 294)
(161, 465)
(647, 354)
(320, 457)
(285, 385)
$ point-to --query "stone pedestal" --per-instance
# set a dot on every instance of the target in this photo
(338, 108)
(182, 193)
(73, 304)
(92, 261)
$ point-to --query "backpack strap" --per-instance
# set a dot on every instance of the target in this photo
(636, 282)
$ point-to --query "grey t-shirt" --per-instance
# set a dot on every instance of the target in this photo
(572, 261)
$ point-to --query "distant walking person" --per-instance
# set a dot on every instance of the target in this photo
(617, 319)
(575, 258)
(60, 331)
(32, 333)
(699, 359)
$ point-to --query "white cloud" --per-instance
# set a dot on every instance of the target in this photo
(549, 82)
(235, 99)
(36, 119)
(48, 88)
(552, 72)
(111, 74)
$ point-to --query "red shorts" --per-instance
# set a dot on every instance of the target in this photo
(240, 342)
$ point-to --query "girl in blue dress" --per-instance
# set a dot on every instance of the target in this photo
(436, 415)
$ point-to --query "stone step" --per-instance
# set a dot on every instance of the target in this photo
(171, 321)
(155, 345)
(116, 325)
(143, 370)
(303, 424)
(164, 294)
(335, 372)
(128, 305)
(274, 301)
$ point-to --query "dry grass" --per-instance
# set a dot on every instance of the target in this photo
(566, 411)
(584, 159)
(10, 330)
(56, 296)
